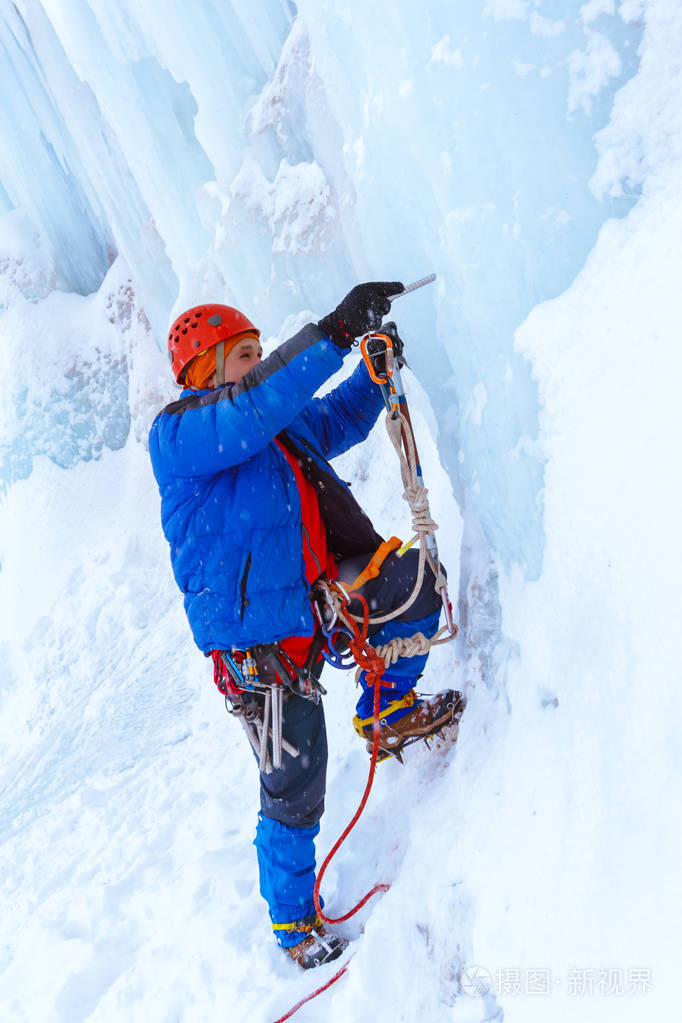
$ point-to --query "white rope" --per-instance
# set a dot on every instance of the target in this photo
(409, 646)
(423, 525)
(416, 496)
(403, 646)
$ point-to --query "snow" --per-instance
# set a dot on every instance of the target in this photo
(273, 155)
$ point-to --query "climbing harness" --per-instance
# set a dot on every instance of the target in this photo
(253, 682)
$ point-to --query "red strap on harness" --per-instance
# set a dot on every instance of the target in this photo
(222, 677)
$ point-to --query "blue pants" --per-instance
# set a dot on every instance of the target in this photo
(292, 799)
(286, 867)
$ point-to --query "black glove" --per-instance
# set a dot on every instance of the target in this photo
(361, 310)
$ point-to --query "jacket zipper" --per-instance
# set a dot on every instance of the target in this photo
(310, 548)
(242, 588)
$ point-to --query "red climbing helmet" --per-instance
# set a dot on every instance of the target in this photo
(201, 328)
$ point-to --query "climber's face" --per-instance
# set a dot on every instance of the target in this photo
(246, 354)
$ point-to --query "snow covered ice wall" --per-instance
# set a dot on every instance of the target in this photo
(467, 134)
(155, 154)
(275, 154)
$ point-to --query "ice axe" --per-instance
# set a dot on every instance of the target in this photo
(413, 287)
(382, 351)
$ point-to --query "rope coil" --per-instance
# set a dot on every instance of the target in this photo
(399, 429)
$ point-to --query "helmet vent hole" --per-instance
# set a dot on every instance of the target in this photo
(184, 330)
(195, 325)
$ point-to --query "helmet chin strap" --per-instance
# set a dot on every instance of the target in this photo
(220, 363)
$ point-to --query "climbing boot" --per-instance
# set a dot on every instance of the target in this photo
(427, 718)
(318, 948)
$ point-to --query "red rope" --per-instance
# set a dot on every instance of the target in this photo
(368, 659)
(308, 998)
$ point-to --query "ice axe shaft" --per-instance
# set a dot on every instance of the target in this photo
(392, 388)
(431, 545)
(413, 286)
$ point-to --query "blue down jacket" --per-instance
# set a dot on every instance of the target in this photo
(230, 506)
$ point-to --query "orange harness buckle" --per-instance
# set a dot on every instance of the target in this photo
(372, 569)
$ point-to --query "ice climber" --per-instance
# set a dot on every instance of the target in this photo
(254, 514)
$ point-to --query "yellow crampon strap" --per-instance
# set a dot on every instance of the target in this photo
(309, 924)
(408, 700)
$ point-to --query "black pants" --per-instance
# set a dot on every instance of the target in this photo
(294, 794)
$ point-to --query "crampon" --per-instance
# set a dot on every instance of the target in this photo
(437, 716)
